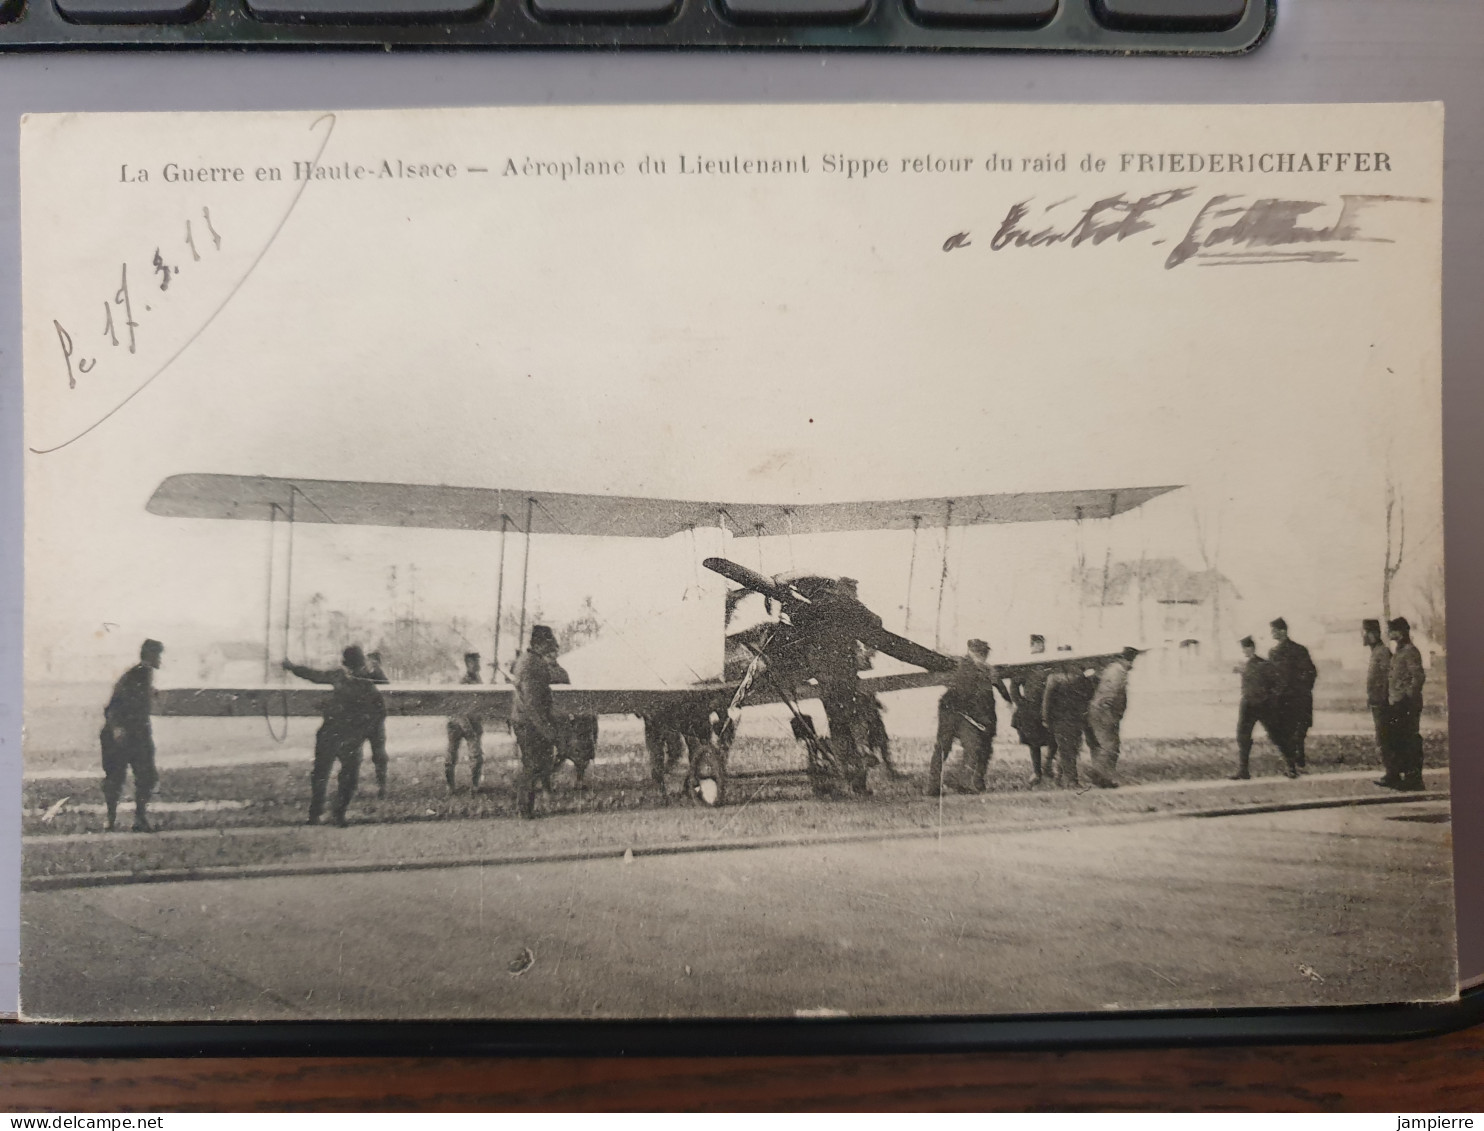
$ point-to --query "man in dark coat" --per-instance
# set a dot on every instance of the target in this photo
(834, 625)
(1257, 693)
(128, 739)
(1028, 692)
(1293, 675)
(532, 717)
(966, 713)
(1403, 726)
(351, 714)
(1069, 692)
(1378, 699)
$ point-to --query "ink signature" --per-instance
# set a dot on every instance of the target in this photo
(1228, 229)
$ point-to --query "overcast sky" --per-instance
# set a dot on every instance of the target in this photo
(771, 338)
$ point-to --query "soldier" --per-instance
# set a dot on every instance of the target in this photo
(1257, 689)
(378, 730)
(1404, 688)
(1028, 692)
(532, 718)
(1069, 691)
(834, 624)
(353, 710)
(966, 712)
(127, 739)
(466, 728)
(1105, 719)
(1293, 695)
(1378, 699)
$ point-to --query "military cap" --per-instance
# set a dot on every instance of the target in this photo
(1279, 623)
(1247, 642)
(542, 635)
(1037, 638)
(1399, 624)
(1130, 653)
(1370, 624)
(151, 647)
(978, 647)
(353, 657)
(470, 656)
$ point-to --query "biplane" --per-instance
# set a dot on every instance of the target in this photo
(705, 670)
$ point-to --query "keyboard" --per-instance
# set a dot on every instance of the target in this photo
(1181, 27)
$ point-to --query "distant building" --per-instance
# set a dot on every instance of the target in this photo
(232, 662)
(1182, 615)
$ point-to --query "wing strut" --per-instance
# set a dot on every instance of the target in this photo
(525, 576)
(499, 597)
(911, 569)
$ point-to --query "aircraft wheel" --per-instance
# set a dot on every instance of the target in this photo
(710, 778)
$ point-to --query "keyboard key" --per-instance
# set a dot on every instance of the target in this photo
(606, 11)
(983, 13)
(1170, 15)
(364, 11)
(794, 11)
(130, 11)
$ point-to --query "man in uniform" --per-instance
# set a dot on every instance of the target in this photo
(1378, 699)
(1028, 693)
(378, 730)
(1105, 719)
(1293, 694)
(532, 718)
(466, 728)
(966, 712)
(352, 712)
(1069, 690)
(1404, 688)
(1257, 688)
(127, 738)
(834, 624)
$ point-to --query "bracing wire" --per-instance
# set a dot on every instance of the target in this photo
(268, 636)
(943, 575)
(911, 571)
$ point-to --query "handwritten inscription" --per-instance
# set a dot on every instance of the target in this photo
(1226, 229)
(120, 326)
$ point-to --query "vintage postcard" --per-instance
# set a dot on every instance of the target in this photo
(733, 561)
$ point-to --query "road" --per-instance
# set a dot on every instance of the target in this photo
(1311, 907)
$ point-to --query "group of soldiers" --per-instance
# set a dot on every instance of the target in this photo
(1055, 707)
(1278, 692)
(355, 715)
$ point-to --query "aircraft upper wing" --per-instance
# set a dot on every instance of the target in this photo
(552, 512)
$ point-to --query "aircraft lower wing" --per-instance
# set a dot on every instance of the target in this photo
(494, 702)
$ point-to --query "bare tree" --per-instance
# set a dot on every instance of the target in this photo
(1430, 608)
(1208, 541)
(1396, 521)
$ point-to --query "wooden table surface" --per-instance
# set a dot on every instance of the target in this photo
(1437, 1074)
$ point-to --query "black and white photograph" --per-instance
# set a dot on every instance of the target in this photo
(733, 562)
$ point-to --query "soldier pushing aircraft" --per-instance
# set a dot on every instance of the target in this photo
(966, 712)
(127, 738)
(1028, 692)
(351, 714)
(467, 728)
